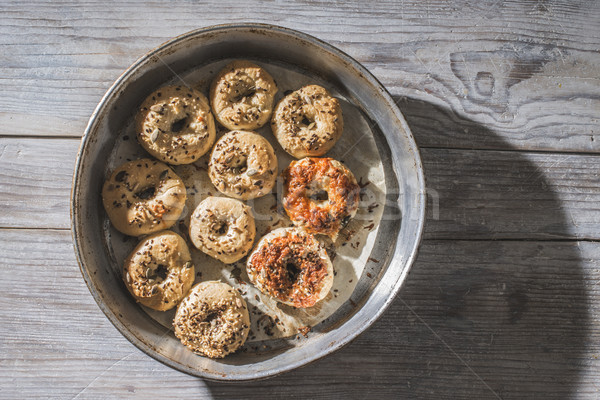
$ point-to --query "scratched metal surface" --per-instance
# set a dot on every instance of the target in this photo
(503, 98)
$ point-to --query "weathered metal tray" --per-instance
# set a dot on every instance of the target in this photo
(374, 252)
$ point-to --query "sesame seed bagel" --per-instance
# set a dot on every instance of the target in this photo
(320, 194)
(223, 228)
(243, 165)
(212, 320)
(159, 271)
(242, 96)
(308, 122)
(291, 266)
(143, 196)
(175, 125)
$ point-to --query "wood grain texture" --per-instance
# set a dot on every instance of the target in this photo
(472, 194)
(35, 182)
(525, 70)
(520, 316)
(508, 194)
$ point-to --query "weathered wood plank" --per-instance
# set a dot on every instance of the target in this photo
(517, 195)
(476, 194)
(526, 71)
(35, 182)
(521, 316)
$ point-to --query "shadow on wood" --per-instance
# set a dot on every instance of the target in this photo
(488, 317)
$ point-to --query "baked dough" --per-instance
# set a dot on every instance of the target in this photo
(159, 271)
(223, 228)
(320, 195)
(308, 122)
(212, 320)
(243, 165)
(175, 125)
(143, 196)
(242, 96)
(291, 266)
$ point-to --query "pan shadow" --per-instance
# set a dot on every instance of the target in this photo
(483, 314)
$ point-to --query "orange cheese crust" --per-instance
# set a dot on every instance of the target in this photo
(321, 217)
(288, 271)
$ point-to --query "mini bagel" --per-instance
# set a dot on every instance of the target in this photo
(223, 228)
(159, 271)
(175, 125)
(308, 122)
(143, 196)
(212, 320)
(242, 96)
(320, 194)
(291, 266)
(243, 165)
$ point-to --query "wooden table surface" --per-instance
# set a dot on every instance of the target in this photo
(503, 98)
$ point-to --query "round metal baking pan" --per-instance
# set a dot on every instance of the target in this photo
(398, 233)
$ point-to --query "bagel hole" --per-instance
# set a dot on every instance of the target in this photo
(293, 271)
(241, 166)
(319, 195)
(222, 228)
(212, 315)
(246, 92)
(306, 121)
(146, 193)
(179, 124)
(162, 271)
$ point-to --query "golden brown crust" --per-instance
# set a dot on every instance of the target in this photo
(320, 195)
(175, 125)
(143, 196)
(291, 266)
(212, 320)
(242, 96)
(223, 228)
(308, 122)
(159, 271)
(243, 165)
